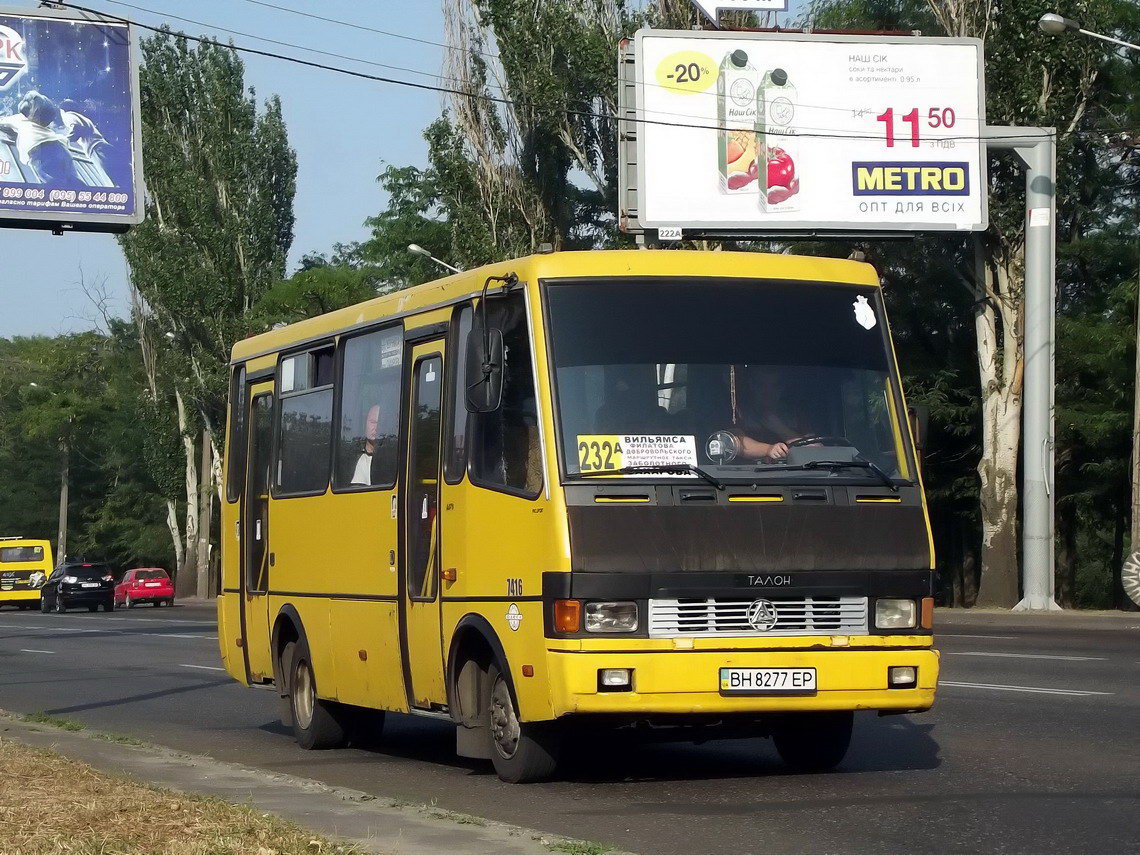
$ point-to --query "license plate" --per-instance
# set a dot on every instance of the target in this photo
(90, 584)
(767, 681)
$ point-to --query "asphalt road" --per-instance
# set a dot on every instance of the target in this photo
(1033, 745)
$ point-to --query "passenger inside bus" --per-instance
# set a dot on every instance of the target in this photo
(363, 474)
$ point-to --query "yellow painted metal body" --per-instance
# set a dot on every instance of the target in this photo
(337, 555)
(13, 573)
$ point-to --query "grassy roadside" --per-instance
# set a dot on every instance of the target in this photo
(52, 805)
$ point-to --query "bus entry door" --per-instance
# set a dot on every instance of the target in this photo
(423, 645)
(256, 555)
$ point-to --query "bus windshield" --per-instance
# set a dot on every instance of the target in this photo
(751, 379)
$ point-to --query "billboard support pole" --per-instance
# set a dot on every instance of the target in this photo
(1036, 147)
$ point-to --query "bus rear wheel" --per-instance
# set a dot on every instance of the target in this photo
(315, 723)
(813, 742)
(522, 752)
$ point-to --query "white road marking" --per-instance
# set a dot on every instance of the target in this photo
(1025, 656)
(1077, 693)
(203, 667)
(89, 631)
(29, 650)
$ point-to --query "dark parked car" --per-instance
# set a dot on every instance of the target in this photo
(76, 583)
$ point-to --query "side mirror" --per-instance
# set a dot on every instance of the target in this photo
(919, 416)
(484, 370)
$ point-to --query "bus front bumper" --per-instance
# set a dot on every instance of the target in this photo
(689, 681)
(19, 595)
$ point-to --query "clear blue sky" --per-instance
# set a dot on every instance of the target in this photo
(338, 160)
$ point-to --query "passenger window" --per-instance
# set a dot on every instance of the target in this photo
(235, 475)
(503, 446)
(368, 438)
(455, 456)
(304, 443)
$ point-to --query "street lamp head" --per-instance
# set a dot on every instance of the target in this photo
(34, 384)
(169, 336)
(418, 250)
(1055, 25)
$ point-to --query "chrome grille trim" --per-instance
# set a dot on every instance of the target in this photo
(720, 616)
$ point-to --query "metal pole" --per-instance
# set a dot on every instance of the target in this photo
(1037, 149)
(64, 479)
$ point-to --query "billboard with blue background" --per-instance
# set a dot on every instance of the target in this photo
(68, 121)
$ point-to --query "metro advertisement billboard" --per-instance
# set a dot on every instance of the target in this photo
(762, 133)
(69, 122)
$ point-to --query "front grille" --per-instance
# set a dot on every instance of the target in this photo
(721, 616)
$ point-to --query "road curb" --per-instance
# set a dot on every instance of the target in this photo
(376, 824)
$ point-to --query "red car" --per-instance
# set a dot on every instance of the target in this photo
(145, 585)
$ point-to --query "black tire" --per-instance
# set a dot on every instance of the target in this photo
(156, 603)
(813, 742)
(316, 725)
(109, 606)
(93, 608)
(44, 609)
(170, 602)
(60, 605)
(522, 752)
(24, 606)
(128, 602)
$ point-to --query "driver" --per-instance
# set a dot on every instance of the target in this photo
(767, 416)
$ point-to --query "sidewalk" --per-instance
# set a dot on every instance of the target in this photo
(1070, 619)
(374, 824)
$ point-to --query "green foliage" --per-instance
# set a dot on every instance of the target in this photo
(88, 397)
(314, 291)
(221, 179)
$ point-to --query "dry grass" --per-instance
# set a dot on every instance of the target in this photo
(51, 805)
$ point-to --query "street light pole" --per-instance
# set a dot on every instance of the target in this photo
(64, 483)
(1056, 25)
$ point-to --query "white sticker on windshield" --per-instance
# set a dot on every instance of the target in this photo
(864, 314)
(605, 452)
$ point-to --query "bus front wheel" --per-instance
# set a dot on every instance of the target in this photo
(813, 742)
(522, 752)
(315, 725)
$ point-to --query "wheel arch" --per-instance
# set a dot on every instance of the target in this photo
(287, 626)
(473, 639)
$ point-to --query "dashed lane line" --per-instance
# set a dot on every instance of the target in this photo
(1040, 690)
(30, 650)
(201, 667)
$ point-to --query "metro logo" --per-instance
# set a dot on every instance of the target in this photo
(910, 178)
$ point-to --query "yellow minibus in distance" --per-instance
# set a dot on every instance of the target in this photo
(24, 565)
(664, 487)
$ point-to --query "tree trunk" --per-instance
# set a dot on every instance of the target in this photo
(1065, 584)
(999, 282)
(205, 512)
(186, 583)
(64, 483)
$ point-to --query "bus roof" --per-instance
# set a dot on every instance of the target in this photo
(593, 263)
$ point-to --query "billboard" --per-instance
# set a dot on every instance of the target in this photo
(69, 122)
(742, 133)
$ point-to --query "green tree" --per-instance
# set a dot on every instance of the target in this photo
(221, 180)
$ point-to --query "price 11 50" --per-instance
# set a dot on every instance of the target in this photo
(936, 117)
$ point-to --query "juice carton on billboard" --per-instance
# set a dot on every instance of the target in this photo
(736, 115)
(776, 137)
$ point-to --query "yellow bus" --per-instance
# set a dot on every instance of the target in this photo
(665, 487)
(24, 565)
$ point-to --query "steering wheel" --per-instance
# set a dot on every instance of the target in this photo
(816, 439)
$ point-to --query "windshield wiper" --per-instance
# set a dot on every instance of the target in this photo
(671, 469)
(835, 466)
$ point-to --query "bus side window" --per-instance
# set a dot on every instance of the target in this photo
(503, 445)
(304, 431)
(235, 475)
(367, 445)
(455, 448)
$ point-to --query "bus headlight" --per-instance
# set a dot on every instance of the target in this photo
(611, 617)
(895, 614)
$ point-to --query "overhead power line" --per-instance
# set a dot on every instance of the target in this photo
(366, 28)
(427, 87)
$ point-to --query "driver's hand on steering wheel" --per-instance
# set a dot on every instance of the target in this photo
(777, 451)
